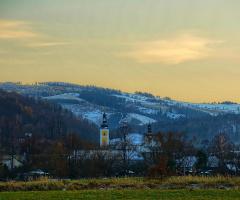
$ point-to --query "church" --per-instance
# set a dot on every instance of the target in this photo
(104, 132)
(135, 138)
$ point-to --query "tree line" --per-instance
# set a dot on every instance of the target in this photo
(164, 154)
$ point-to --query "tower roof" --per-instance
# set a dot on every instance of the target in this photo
(149, 127)
(104, 115)
(104, 124)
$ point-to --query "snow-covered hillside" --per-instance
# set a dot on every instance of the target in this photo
(89, 113)
(152, 107)
(138, 108)
(142, 109)
(143, 119)
(213, 109)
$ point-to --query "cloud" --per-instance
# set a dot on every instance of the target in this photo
(15, 29)
(184, 47)
(47, 44)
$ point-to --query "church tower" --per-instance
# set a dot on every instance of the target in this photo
(149, 128)
(104, 132)
(149, 134)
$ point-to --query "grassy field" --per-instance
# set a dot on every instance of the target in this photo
(124, 194)
(191, 187)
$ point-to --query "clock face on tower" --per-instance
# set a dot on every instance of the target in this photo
(104, 133)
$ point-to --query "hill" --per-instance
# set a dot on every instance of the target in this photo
(89, 102)
(22, 114)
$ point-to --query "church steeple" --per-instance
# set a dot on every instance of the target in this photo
(104, 124)
(104, 132)
(149, 135)
(149, 127)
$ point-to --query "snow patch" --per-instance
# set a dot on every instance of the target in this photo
(141, 118)
(174, 116)
(72, 96)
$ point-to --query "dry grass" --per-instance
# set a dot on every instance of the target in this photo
(203, 182)
(40, 185)
(189, 182)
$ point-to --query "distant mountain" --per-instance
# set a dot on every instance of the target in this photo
(89, 102)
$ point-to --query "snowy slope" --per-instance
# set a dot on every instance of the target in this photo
(145, 107)
(93, 113)
(67, 96)
(143, 119)
(213, 109)
(151, 107)
(90, 113)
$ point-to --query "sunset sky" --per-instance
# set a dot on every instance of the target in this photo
(188, 50)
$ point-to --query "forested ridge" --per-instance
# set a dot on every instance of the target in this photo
(20, 115)
(205, 127)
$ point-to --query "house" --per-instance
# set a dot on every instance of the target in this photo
(11, 162)
(34, 175)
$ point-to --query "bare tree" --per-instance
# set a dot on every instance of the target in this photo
(125, 143)
(223, 149)
(172, 145)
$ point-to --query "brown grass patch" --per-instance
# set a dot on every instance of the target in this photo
(189, 182)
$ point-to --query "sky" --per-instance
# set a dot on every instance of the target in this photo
(184, 49)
